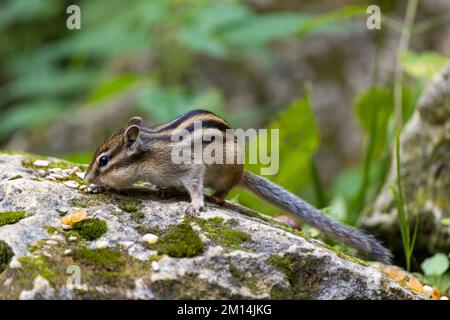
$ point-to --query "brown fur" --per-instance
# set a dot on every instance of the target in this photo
(154, 164)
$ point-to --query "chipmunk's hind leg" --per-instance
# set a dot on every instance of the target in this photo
(219, 196)
(222, 178)
(194, 186)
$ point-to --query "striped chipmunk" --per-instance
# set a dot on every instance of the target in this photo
(165, 155)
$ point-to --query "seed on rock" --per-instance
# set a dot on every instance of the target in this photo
(102, 244)
(72, 238)
(72, 184)
(41, 163)
(150, 238)
(57, 176)
(67, 252)
(427, 290)
(42, 173)
(80, 175)
(66, 227)
(155, 266)
(74, 170)
(126, 244)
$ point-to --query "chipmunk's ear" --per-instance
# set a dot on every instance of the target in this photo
(135, 121)
(132, 140)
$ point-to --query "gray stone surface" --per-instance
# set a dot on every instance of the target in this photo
(274, 261)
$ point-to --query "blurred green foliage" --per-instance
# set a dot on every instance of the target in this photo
(47, 68)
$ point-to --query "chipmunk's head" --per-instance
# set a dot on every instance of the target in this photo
(115, 162)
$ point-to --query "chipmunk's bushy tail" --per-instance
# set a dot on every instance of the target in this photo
(285, 200)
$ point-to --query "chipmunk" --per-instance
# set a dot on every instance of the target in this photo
(138, 153)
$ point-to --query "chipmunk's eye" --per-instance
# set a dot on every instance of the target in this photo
(103, 161)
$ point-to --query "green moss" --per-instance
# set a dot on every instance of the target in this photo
(10, 217)
(36, 246)
(285, 264)
(251, 282)
(110, 260)
(221, 232)
(190, 287)
(137, 216)
(91, 229)
(179, 241)
(129, 205)
(51, 230)
(80, 202)
(110, 269)
(6, 254)
(144, 229)
(303, 275)
(237, 273)
(34, 267)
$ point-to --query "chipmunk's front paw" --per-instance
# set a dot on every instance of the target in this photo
(95, 189)
(195, 209)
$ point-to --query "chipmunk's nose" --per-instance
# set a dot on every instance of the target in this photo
(89, 177)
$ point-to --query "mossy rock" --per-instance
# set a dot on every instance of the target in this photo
(179, 241)
(222, 232)
(128, 205)
(91, 229)
(111, 260)
(6, 254)
(10, 217)
(54, 163)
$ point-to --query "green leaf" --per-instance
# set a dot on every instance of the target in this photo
(333, 22)
(446, 221)
(29, 115)
(299, 139)
(377, 104)
(423, 65)
(113, 86)
(163, 104)
(262, 29)
(435, 265)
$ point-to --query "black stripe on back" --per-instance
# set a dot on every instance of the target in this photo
(206, 124)
(182, 119)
